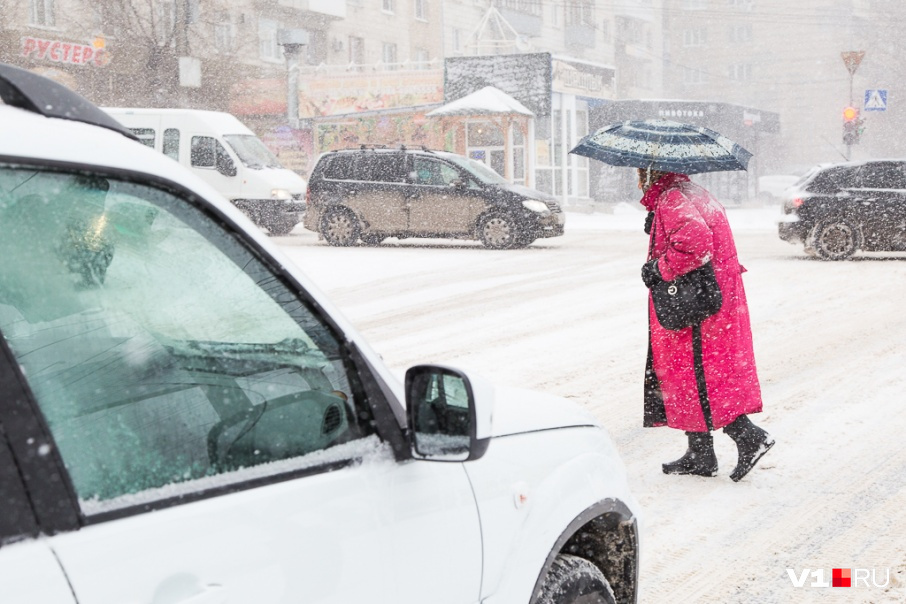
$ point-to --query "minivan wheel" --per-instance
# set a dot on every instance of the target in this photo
(372, 239)
(499, 231)
(574, 580)
(836, 239)
(340, 227)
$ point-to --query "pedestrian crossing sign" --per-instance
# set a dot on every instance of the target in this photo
(876, 100)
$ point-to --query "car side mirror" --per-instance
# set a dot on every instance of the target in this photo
(448, 412)
(458, 183)
(225, 165)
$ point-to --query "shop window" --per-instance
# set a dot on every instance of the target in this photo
(484, 134)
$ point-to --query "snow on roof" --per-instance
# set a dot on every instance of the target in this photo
(487, 101)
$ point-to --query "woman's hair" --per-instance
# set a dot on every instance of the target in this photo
(648, 177)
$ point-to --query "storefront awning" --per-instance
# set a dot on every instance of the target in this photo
(487, 101)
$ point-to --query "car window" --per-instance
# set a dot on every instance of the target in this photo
(205, 151)
(161, 350)
(433, 172)
(171, 143)
(882, 175)
(833, 179)
(379, 167)
(145, 135)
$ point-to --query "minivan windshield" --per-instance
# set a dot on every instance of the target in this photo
(479, 170)
(252, 152)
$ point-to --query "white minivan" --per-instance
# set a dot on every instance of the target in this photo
(228, 156)
(185, 417)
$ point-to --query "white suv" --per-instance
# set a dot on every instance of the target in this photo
(185, 418)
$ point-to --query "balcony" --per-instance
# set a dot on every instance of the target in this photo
(322, 8)
(525, 22)
(580, 35)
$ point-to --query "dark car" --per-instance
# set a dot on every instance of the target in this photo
(837, 209)
(370, 194)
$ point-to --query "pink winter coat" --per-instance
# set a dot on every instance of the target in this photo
(690, 227)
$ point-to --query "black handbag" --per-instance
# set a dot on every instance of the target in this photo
(687, 300)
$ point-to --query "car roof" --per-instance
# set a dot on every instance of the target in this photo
(216, 121)
(28, 135)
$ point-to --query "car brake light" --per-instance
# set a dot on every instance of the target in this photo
(797, 201)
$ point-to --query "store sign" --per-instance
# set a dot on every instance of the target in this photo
(582, 80)
(325, 95)
(64, 52)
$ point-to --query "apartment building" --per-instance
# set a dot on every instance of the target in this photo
(783, 58)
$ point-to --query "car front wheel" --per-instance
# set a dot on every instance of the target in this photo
(836, 239)
(574, 580)
(340, 227)
(499, 231)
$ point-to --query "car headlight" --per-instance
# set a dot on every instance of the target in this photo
(535, 206)
(280, 194)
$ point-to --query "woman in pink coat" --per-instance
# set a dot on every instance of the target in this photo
(700, 378)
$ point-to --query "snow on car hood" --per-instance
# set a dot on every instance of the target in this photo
(517, 411)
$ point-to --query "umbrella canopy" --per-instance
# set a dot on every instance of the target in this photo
(665, 146)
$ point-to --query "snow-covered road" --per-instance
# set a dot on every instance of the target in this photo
(567, 316)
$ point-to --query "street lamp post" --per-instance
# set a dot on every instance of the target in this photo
(292, 41)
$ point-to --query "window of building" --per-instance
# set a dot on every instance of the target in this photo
(580, 12)
(457, 40)
(605, 30)
(41, 12)
(422, 59)
(695, 37)
(741, 33)
(694, 76)
(531, 7)
(165, 21)
(356, 50)
(388, 55)
(555, 14)
(387, 6)
(421, 10)
(630, 30)
(695, 4)
(223, 37)
(268, 49)
(741, 72)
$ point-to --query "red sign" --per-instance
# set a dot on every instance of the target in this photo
(64, 52)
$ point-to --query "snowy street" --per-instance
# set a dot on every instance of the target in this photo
(568, 316)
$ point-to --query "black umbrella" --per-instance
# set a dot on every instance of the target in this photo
(665, 146)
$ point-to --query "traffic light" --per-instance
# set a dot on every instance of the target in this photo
(852, 126)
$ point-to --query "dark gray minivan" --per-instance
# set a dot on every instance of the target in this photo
(370, 194)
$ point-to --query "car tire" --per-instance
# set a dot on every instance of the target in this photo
(372, 239)
(836, 239)
(280, 226)
(574, 580)
(340, 227)
(499, 231)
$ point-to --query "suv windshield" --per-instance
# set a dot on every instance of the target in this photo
(252, 152)
(478, 170)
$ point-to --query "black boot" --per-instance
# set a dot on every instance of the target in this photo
(752, 442)
(699, 458)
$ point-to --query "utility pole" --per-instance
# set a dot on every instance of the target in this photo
(292, 41)
(851, 59)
